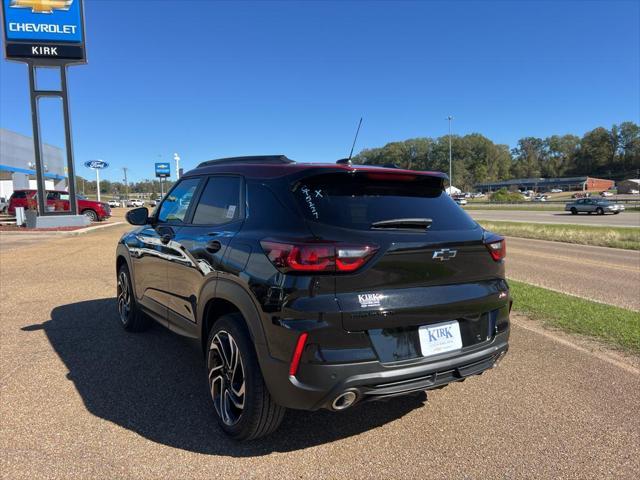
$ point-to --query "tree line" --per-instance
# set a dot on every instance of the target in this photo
(108, 187)
(610, 153)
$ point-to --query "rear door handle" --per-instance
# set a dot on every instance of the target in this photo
(213, 246)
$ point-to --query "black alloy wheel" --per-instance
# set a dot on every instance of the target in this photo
(243, 405)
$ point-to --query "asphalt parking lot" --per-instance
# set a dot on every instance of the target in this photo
(82, 398)
(624, 219)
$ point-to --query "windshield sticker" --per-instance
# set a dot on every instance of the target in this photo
(312, 206)
(231, 211)
(370, 299)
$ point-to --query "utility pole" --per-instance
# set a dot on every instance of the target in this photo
(450, 164)
(126, 184)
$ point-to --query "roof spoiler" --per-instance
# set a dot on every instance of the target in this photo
(262, 159)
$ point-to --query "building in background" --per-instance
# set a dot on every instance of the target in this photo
(17, 164)
(546, 184)
(628, 186)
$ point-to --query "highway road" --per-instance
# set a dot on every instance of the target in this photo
(607, 275)
(81, 398)
(624, 219)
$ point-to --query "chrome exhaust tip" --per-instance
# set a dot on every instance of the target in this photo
(344, 400)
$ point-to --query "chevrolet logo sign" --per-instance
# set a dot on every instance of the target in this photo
(444, 254)
(42, 6)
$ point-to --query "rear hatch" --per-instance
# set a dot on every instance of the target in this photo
(431, 262)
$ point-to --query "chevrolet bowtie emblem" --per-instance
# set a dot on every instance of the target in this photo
(444, 254)
(42, 6)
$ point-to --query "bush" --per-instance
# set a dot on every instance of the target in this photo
(504, 195)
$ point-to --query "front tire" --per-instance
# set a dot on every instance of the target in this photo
(131, 318)
(244, 408)
(599, 211)
(574, 211)
(91, 215)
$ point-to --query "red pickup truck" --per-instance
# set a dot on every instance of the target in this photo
(96, 211)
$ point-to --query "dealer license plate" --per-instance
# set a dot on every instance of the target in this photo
(440, 338)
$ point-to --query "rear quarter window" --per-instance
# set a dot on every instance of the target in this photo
(357, 201)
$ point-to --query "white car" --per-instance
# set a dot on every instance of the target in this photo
(556, 190)
(634, 192)
(114, 203)
(606, 194)
(460, 201)
(135, 203)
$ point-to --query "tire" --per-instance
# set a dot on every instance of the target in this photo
(599, 211)
(574, 211)
(616, 213)
(91, 215)
(244, 408)
(131, 318)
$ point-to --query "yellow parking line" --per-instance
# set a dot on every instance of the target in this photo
(581, 261)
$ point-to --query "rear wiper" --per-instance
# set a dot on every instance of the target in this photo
(403, 224)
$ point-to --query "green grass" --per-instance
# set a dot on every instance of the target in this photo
(616, 326)
(604, 236)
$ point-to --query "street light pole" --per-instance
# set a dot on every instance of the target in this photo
(126, 183)
(450, 163)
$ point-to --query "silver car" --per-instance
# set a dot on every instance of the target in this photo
(591, 205)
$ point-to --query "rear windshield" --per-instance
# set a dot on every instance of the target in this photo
(358, 201)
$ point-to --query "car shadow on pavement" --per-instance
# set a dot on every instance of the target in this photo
(154, 383)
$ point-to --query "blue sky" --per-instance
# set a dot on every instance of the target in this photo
(209, 79)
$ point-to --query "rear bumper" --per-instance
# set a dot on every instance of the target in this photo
(317, 385)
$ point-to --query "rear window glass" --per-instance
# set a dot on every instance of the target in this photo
(358, 201)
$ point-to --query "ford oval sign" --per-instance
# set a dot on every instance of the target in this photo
(96, 164)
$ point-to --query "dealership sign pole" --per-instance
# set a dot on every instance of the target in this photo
(163, 170)
(46, 34)
(96, 165)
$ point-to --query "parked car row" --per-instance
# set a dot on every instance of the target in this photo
(132, 203)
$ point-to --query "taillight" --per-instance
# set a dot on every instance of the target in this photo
(316, 256)
(498, 250)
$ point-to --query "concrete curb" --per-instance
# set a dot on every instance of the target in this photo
(68, 232)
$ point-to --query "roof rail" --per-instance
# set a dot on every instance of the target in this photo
(272, 159)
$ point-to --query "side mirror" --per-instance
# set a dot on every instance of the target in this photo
(138, 216)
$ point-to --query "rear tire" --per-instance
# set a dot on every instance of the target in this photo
(574, 211)
(131, 318)
(244, 408)
(599, 211)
